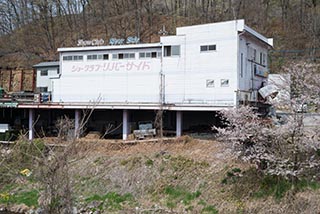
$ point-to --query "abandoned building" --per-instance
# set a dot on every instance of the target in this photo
(200, 70)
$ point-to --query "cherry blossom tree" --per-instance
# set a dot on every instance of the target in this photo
(284, 147)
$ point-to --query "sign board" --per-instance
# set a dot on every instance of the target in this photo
(8, 105)
(260, 71)
(94, 42)
(129, 40)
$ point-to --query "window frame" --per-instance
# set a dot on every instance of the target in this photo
(44, 71)
(208, 48)
(210, 83)
(224, 85)
(168, 51)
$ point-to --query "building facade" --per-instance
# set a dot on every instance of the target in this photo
(209, 66)
(203, 68)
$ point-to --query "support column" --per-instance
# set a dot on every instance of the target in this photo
(31, 121)
(178, 123)
(77, 115)
(125, 124)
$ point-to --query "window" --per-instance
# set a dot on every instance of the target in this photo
(241, 65)
(43, 89)
(173, 50)
(210, 83)
(123, 56)
(264, 59)
(92, 57)
(67, 58)
(142, 55)
(77, 58)
(128, 56)
(149, 55)
(254, 55)
(261, 56)
(72, 58)
(105, 56)
(224, 83)
(153, 54)
(44, 73)
(205, 48)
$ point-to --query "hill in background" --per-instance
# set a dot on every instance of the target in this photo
(31, 31)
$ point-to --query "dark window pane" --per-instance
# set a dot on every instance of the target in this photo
(204, 48)
(167, 51)
(154, 54)
(44, 73)
(212, 47)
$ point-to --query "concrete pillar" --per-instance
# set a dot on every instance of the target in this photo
(125, 124)
(31, 121)
(178, 123)
(77, 115)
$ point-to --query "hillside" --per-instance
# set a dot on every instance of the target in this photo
(184, 176)
(31, 31)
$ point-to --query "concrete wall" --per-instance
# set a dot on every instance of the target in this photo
(113, 80)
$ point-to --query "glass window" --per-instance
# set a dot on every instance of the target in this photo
(212, 47)
(154, 54)
(43, 89)
(44, 73)
(224, 83)
(77, 58)
(67, 58)
(167, 50)
(105, 56)
(142, 55)
(203, 48)
(210, 83)
(241, 65)
(148, 55)
(175, 50)
(264, 57)
(114, 56)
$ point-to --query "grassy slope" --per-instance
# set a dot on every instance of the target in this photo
(188, 176)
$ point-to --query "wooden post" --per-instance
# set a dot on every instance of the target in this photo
(21, 80)
(33, 79)
(1, 78)
(10, 80)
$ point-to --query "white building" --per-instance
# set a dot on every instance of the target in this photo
(46, 71)
(203, 68)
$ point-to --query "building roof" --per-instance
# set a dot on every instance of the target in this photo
(239, 25)
(47, 64)
(109, 47)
